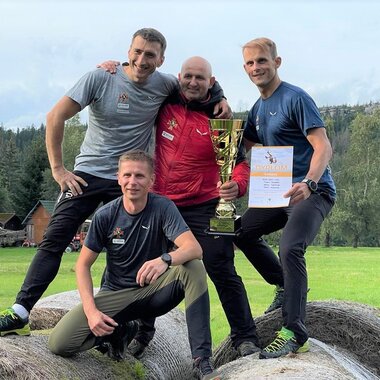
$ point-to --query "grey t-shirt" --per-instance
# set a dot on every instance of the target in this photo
(130, 240)
(121, 116)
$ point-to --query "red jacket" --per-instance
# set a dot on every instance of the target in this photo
(186, 168)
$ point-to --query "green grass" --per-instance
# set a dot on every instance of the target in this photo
(334, 273)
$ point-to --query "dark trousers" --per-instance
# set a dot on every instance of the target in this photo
(69, 213)
(218, 258)
(300, 225)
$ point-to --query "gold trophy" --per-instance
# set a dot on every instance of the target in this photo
(226, 135)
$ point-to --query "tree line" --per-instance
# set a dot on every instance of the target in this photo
(354, 132)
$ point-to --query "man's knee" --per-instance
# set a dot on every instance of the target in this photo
(58, 346)
(193, 277)
(194, 269)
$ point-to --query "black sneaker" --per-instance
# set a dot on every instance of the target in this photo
(204, 370)
(136, 348)
(120, 339)
(284, 344)
(277, 300)
(11, 323)
(247, 348)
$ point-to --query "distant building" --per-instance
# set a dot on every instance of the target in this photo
(10, 221)
(37, 220)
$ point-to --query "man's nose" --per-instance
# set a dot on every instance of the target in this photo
(255, 66)
(132, 179)
(193, 82)
(141, 59)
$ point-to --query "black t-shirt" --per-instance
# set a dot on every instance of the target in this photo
(131, 240)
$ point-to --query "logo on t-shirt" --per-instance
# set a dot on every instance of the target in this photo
(117, 236)
(123, 98)
(122, 103)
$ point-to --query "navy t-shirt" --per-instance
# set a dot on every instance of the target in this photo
(131, 240)
(284, 119)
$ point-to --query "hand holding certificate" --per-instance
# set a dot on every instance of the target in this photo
(271, 176)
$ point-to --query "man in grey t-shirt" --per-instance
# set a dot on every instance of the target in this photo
(122, 110)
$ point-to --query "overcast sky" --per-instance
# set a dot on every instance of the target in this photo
(329, 48)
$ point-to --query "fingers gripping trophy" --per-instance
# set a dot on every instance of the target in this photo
(226, 135)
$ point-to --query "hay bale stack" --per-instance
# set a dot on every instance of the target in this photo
(353, 327)
(23, 358)
(168, 357)
(315, 364)
(346, 325)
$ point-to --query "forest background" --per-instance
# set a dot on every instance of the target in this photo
(354, 132)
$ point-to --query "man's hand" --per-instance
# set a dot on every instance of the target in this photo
(222, 110)
(299, 192)
(228, 191)
(150, 271)
(100, 324)
(69, 181)
(109, 66)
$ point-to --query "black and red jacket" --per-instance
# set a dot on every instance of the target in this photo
(186, 167)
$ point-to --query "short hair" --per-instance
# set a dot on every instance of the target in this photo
(138, 155)
(264, 43)
(152, 35)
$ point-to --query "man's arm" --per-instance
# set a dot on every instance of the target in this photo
(100, 324)
(188, 249)
(55, 126)
(222, 109)
(319, 161)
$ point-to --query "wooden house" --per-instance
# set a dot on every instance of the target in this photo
(10, 221)
(37, 220)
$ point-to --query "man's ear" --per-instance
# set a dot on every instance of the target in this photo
(153, 179)
(179, 77)
(212, 81)
(278, 61)
(161, 61)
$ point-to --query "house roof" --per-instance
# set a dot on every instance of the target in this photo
(47, 205)
(5, 217)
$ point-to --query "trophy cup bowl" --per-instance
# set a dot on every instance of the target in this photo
(226, 135)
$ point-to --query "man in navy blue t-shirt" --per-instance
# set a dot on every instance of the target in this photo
(286, 115)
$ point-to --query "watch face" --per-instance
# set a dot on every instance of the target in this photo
(312, 185)
(166, 258)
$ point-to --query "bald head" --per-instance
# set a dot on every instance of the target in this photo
(196, 78)
(199, 63)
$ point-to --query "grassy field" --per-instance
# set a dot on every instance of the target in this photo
(334, 273)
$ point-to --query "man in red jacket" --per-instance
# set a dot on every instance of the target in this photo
(187, 173)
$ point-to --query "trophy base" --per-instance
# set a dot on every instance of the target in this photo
(224, 226)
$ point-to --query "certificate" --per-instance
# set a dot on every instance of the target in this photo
(271, 176)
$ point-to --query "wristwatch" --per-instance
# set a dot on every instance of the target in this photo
(312, 185)
(166, 258)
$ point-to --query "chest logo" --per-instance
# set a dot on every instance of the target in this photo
(272, 113)
(201, 133)
(123, 98)
(172, 123)
(118, 232)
